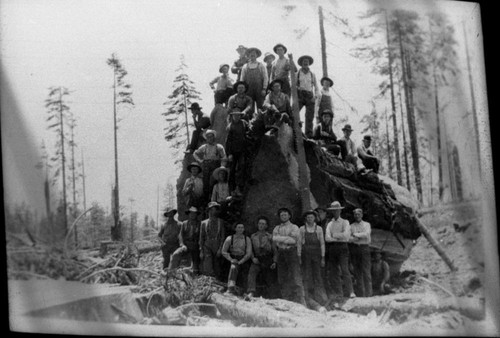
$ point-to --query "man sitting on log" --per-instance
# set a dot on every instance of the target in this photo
(189, 237)
(359, 248)
(380, 274)
(365, 153)
(212, 234)
(210, 156)
(286, 241)
(325, 136)
(169, 235)
(277, 104)
(351, 150)
(237, 249)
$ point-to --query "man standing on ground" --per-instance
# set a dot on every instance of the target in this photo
(169, 235)
(360, 254)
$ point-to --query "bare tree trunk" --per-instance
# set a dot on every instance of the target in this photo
(323, 41)
(83, 183)
(393, 106)
(186, 116)
(73, 179)
(65, 216)
(116, 231)
(389, 150)
(405, 144)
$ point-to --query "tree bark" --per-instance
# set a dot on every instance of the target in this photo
(63, 158)
(323, 41)
(405, 144)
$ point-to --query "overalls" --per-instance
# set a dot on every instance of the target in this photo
(325, 103)
(311, 266)
(211, 263)
(255, 82)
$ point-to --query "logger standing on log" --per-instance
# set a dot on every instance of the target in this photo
(189, 237)
(240, 62)
(193, 187)
(224, 86)
(281, 69)
(262, 256)
(350, 146)
(307, 90)
(255, 74)
(360, 254)
(236, 148)
(212, 234)
(201, 123)
(338, 232)
(210, 156)
(237, 249)
(325, 135)
(313, 259)
(269, 59)
(323, 100)
(169, 235)
(286, 241)
(241, 101)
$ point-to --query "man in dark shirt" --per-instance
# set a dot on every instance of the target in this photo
(169, 236)
(236, 148)
(240, 62)
(201, 123)
(241, 101)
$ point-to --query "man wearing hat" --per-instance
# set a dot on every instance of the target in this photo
(359, 248)
(307, 90)
(169, 235)
(240, 62)
(212, 235)
(210, 155)
(337, 234)
(193, 187)
(287, 248)
(365, 153)
(281, 69)
(278, 104)
(324, 134)
(268, 59)
(313, 258)
(224, 88)
(189, 237)
(254, 73)
(350, 147)
(241, 101)
(201, 123)
(236, 147)
(220, 192)
(324, 99)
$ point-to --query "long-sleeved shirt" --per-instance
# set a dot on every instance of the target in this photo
(280, 69)
(222, 81)
(338, 230)
(307, 81)
(169, 232)
(193, 184)
(241, 246)
(322, 127)
(262, 243)
(236, 137)
(286, 235)
(220, 192)
(238, 65)
(201, 121)
(243, 102)
(319, 233)
(281, 101)
(318, 104)
(262, 69)
(351, 147)
(189, 234)
(212, 229)
(363, 231)
(209, 152)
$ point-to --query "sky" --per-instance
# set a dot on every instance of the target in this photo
(66, 43)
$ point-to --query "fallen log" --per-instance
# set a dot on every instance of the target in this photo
(405, 304)
(439, 249)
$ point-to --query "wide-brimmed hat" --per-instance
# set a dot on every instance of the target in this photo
(284, 209)
(192, 209)
(327, 112)
(236, 111)
(235, 86)
(280, 81)
(303, 57)
(223, 65)
(254, 49)
(326, 78)
(216, 172)
(367, 137)
(195, 105)
(168, 211)
(347, 127)
(279, 45)
(335, 206)
(269, 55)
(310, 212)
(241, 47)
(211, 132)
(213, 204)
(194, 164)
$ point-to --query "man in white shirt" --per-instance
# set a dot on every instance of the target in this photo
(338, 232)
(359, 248)
(365, 153)
(350, 146)
(307, 90)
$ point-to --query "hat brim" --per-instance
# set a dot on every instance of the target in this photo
(188, 211)
(214, 206)
(284, 209)
(339, 208)
(253, 49)
(330, 81)
(279, 45)
(189, 167)
(216, 172)
(269, 56)
(347, 129)
(302, 58)
(166, 213)
(235, 86)
(220, 68)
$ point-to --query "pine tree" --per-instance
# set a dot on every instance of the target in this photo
(176, 115)
(122, 96)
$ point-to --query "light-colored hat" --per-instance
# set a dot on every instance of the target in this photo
(254, 49)
(279, 45)
(269, 55)
(303, 57)
(335, 206)
(216, 172)
(194, 164)
(210, 131)
(192, 209)
(241, 47)
(222, 66)
(236, 111)
(213, 204)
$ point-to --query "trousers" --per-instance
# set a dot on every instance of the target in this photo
(289, 275)
(361, 263)
(339, 267)
(306, 99)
